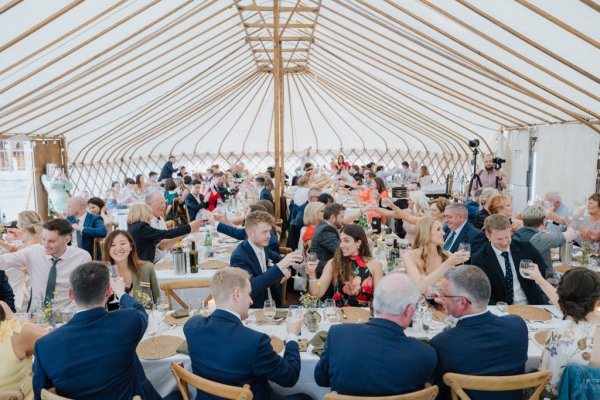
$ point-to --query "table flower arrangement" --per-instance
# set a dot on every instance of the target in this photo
(312, 317)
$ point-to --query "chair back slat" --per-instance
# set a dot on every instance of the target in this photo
(459, 382)
(169, 288)
(183, 377)
(429, 393)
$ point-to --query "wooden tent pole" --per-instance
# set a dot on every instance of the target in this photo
(277, 109)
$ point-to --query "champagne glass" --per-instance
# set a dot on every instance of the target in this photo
(524, 267)
(269, 309)
(465, 247)
(331, 311)
(114, 274)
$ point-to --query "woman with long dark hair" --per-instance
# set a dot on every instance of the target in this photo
(139, 276)
(352, 272)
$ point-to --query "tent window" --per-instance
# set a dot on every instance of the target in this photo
(12, 156)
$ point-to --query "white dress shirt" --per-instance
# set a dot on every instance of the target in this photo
(519, 294)
(158, 223)
(38, 264)
(262, 259)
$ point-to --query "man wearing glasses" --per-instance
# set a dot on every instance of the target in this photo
(481, 343)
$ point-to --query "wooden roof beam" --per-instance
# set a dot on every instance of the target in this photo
(294, 60)
(282, 50)
(261, 25)
(283, 39)
(281, 9)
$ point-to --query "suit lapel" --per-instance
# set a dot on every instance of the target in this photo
(496, 270)
(459, 239)
(255, 262)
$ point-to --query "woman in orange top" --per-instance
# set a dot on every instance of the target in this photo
(374, 195)
(313, 216)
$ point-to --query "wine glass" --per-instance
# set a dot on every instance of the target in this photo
(502, 306)
(465, 247)
(431, 294)
(331, 311)
(162, 307)
(524, 267)
(114, 274)
(269, 309)
(426, 319)
(552, 277)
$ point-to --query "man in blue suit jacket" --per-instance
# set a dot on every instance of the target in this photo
(222, 349)
(253, 256)
(168, 169)
(460, 230)
(194, 200)
(93, 356)
(377, 358)
(86, 226)
(240, 234)
(481, 343)
(6, 292)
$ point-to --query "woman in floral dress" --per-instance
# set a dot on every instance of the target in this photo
(352, 272)
(578, 292)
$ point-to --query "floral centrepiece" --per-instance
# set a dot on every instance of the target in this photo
(312, 317)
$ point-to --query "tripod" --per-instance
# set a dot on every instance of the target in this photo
(474, 176)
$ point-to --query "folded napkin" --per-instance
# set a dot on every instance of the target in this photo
(318, 342)
(181, 313)
(281, 314)
(183, 349)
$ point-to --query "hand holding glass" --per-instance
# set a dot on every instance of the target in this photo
(524, 267)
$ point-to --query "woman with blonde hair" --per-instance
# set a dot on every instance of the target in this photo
(29, 229)
(424, 178)
(146, 237)
(418, 207)
(503, 205)
(427, 262)
(313, 216)
(484, 199)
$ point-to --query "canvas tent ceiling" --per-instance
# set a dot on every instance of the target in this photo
(131, 78)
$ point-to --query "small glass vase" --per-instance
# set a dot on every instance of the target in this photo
(312, 320)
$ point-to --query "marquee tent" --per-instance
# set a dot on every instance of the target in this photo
(126, 82)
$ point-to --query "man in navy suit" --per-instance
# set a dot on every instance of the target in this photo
(168, 169)
(86, 226)
(225, 227)
(222, 349)
(263, 192)
(253, 256)
(460, 230)
(481, 343)
(500, 259)
(93, 356)
(194, 200)
(377, 358)
(6, 292)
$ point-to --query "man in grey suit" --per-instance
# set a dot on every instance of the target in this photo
(326, 238)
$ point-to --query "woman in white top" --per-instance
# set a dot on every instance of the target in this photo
(424, 178)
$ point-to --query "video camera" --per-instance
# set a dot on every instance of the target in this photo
(497, 161)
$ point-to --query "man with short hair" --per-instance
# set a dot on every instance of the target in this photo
(93, 356)
(459, 230)
(500, 259)
(556, 218)
(156, 201)
(222, 349)
(168, 169)
(533, 231)
(153, 178)
(489, 176)
(221, 186)
(86, 226)
(194, 200)
(49, 264)
(481, 343)
(326, 238)
(369, 179)
(263, 192)
(377, 358)
(253, 256)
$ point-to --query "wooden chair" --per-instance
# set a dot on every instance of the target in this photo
(11, 395)
(428, 393)
(459, 382)
(187, 213)
(180, 212)
(98, 243)
(169, 288)
(183, 377)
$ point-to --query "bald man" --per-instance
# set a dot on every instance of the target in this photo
(86, 226)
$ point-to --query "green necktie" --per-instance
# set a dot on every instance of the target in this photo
(51, 285)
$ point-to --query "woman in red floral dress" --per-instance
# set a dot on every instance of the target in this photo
(352, 271)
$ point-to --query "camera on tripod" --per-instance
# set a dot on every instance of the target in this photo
(474, 143)
(497, 161)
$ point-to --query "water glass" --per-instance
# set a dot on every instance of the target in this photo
(525, 267)
(162, 307)
(294, 313)
(465, 247)
(331, 311)
(502, 306)
(426, 319)
(269, 309)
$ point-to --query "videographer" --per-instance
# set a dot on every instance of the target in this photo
(491, 176)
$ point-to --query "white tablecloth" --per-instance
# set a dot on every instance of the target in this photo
(158, 371)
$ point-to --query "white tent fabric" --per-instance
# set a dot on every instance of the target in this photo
(137, 78)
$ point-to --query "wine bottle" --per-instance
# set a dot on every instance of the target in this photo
(208, 249)
(193, 259)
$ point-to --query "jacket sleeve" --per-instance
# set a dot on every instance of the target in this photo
(236, 233)
(478, 240)
(40, 379)
(283, 371)
(6, 292)
(330, 241)
(322, 367)
(98, 229)
(262, 282)
(128, 302)
(192, 205)
(150, 233)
